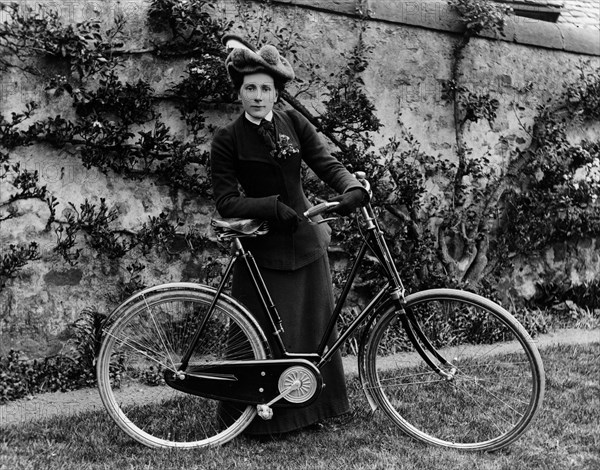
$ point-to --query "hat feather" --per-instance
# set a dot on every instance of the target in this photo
(235, 44)
(270, 54)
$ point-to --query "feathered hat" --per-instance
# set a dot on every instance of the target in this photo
(244, 59)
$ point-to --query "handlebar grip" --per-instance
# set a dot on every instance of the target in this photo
(320, 209)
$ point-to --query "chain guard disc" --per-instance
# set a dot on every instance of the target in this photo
(308, 384)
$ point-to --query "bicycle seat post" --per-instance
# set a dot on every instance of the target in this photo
(238, 248)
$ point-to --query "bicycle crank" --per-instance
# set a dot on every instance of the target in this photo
(297, 385)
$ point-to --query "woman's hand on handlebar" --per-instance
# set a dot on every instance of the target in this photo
(349, 201)
(343, 204)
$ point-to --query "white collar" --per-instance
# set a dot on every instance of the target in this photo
(253, 120)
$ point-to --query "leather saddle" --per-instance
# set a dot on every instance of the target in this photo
(226, 228)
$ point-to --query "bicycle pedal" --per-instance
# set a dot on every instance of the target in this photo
(264, 411)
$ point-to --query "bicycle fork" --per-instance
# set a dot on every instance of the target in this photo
(407, 318)
(418, 340)
(423, 347)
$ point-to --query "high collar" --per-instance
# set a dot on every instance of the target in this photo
(253, 120)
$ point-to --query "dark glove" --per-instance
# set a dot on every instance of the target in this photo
(349, 201)
(287, 219)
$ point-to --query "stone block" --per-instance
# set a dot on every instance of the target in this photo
(349, 7)
(431, 14)
(66, 277)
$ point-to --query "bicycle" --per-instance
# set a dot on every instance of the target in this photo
(462, 357)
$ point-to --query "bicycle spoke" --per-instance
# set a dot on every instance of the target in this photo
(142, 350)
(158, 331)
(493, 418)
(494, 395)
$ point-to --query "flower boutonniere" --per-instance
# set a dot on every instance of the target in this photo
(285, 148)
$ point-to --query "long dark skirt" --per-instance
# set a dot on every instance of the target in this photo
(304, 300)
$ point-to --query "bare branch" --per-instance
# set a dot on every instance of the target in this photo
(447, 260)
(480, 262)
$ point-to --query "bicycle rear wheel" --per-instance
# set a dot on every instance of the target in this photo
(495, 389)
(150, 336)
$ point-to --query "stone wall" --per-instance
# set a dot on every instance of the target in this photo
(407, 66)
(573, 32)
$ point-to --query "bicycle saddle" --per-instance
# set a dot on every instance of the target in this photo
(235, 227)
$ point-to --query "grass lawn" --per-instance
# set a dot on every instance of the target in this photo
(565, 436)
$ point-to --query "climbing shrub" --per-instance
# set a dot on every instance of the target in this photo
(443, 218)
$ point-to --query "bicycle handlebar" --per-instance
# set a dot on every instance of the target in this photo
(326, 206)
(320, 209)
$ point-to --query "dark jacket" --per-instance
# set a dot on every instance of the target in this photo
(239, 157)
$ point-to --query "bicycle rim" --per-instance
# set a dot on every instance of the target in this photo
(150, 337)
(495, 389)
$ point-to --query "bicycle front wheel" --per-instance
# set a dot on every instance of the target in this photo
(150, 337)
(494, 382)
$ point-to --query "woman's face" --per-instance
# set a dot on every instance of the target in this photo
(258, 94)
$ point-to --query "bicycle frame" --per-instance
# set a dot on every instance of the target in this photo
(393, 289)
(237, 360)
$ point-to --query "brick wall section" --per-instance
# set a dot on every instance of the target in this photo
(583, 13)
(580, 13)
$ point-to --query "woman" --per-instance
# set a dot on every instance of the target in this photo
(261, 153)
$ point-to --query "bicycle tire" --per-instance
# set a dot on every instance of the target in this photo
(499, 381)
(149, 333)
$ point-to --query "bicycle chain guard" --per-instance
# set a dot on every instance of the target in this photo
(251, 382)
